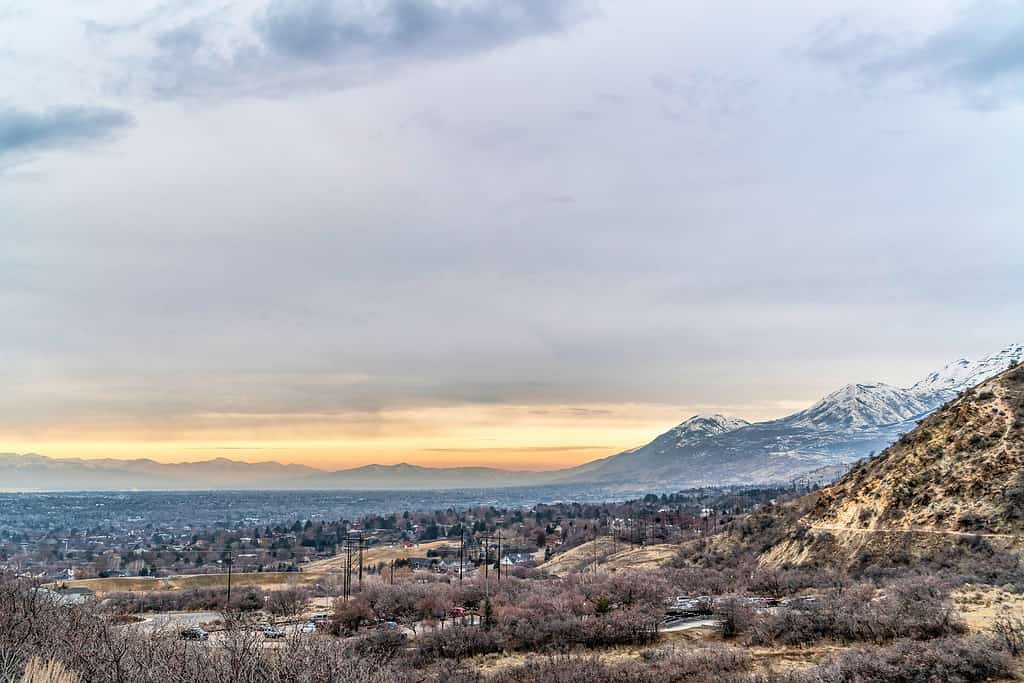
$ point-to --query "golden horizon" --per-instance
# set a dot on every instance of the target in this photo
(519, 437)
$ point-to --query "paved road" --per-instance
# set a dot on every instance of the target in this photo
(687, 625)
(179, 620)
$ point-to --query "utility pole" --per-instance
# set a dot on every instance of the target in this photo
(353, 547)
(499, 556)
(344, 571)
(229, 561)
(487, 556)
(486, 541)
(360, 561)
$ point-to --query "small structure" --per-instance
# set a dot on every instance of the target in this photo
(517, 559)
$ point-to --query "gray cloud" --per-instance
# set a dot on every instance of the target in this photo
(339, 29)
(311, 45)
(153, 15)
(455, 234)
(22, 131)
(980, 53)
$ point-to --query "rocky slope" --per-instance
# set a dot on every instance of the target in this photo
(957, 477)
(961, 469)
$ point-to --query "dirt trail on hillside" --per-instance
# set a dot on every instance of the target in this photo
(879, 530)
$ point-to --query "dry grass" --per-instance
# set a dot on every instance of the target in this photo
(386, 554)
(141, 584)
(52, 671)
(777, 659)
(610, 556)
(980, 605)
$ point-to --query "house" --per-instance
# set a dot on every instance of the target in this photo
(452, 565)
(422, 562)
(517, 559)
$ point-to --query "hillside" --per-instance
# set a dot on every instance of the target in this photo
(606, 554)
(959, 474)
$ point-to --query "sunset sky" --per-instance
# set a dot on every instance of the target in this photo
(516, 233)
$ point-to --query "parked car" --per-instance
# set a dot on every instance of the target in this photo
(194, 633)
(308, 627)
(273, 632)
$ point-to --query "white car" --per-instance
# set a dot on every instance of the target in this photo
(272, 632)
(308, 627)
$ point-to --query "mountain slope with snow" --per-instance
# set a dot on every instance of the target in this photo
(634, 465)
(843, 427)
(701, 427)
(862, 406)
(961, 374)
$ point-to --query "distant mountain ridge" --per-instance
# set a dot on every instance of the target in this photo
(841, 428)
(34, 472)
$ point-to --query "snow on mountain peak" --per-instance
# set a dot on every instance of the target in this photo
(705, 425)
(865, 406)
(944, 384)
(861, 406)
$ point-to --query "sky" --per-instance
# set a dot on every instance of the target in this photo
(515, 233)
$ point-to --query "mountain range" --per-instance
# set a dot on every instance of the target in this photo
(818, 442)
(843, 427)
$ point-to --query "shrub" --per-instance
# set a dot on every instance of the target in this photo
(949, 660)
(379, 645)
(734, 616)
(916, 608)
(1009, 633)
(458, 643)
(350, 615)
(287, 602)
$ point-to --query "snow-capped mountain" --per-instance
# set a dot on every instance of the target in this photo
(862, 406)
(961, 374)
(633, 465)
(701, 427)
(844, 426)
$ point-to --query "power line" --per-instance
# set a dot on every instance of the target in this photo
(352, 547)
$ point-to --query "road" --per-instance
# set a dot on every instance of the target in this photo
(687, 625)
(179, 620)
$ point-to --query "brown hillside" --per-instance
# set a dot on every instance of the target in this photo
(609, 555)
(959, 474)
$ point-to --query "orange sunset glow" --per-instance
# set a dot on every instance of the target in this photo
(509, 437)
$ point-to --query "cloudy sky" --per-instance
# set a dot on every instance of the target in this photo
(523, 233)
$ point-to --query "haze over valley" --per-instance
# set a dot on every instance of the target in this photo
(511, 341)
(705, 450)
